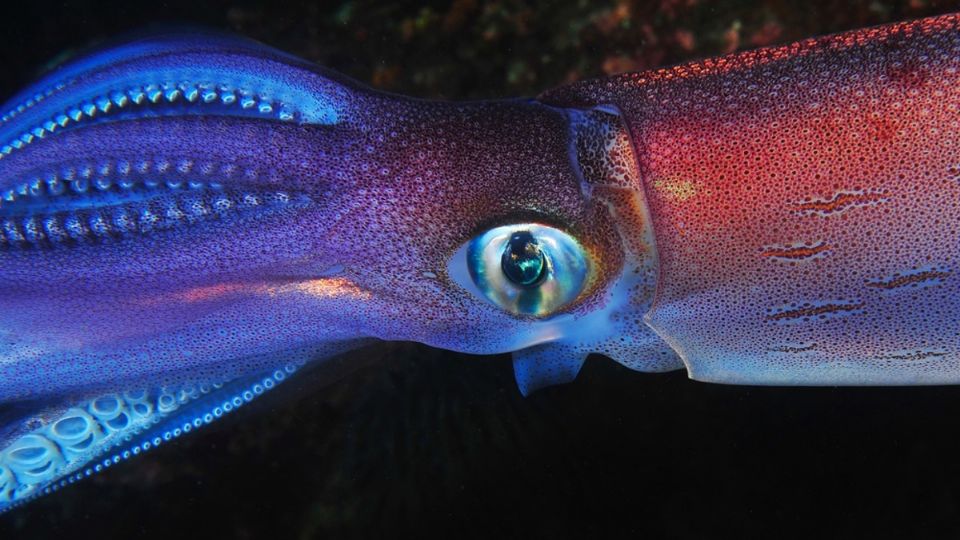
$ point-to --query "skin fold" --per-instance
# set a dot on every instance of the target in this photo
(186, 220)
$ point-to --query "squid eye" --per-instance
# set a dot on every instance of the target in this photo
(523, 262)
(527, 269)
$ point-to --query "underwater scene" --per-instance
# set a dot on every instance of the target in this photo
(468, 269)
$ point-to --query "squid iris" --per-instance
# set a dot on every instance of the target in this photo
(526, 269)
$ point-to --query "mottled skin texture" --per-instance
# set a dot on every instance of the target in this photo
(184, 211)
(804, 200)
(379, 198)
(180, 212)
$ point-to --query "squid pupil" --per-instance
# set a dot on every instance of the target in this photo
(523, 262)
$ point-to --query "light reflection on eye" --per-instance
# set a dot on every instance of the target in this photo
(527, 269)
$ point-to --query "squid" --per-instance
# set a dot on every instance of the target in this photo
(187, 220)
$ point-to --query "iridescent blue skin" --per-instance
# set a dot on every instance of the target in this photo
(186, 220)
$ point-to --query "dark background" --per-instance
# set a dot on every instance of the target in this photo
(424, 443)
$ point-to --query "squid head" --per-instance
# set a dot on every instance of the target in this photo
(487, 228)
(185, 220)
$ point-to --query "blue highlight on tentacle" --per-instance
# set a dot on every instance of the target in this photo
(173, 75)
(35, 215)
(169, 98)
(108, 429)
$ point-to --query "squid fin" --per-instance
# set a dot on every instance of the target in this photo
(546, 365)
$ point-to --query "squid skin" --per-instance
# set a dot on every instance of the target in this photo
(187, 220)
(804, 200)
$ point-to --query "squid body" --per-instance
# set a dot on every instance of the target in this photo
(186, 220)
